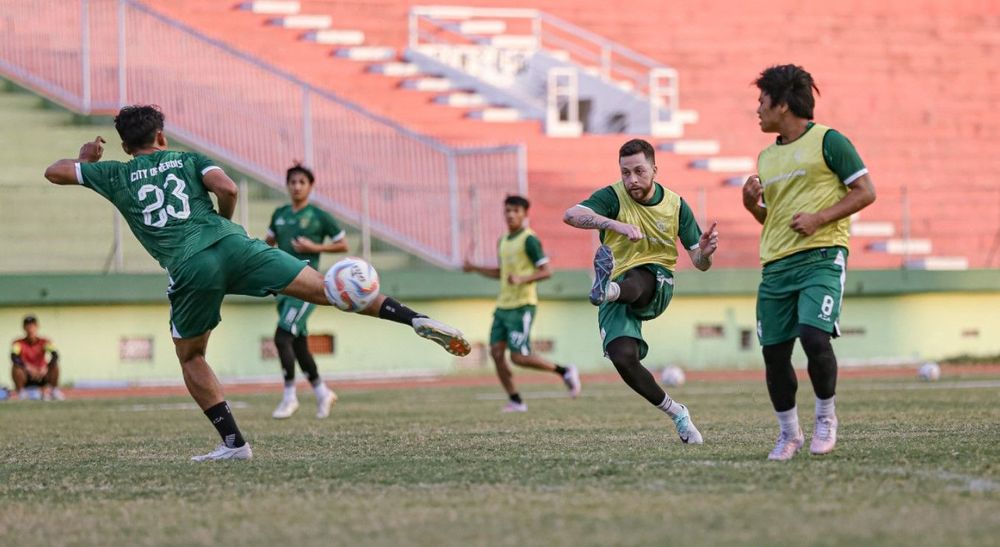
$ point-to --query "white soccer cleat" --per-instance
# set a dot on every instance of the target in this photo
(786, 447)
(572, 380)
(514, 407)
(285, 409)
(686, 430)
(447, 337)
(223, 452)
(56, 394)
(824, 435)
(323, 405)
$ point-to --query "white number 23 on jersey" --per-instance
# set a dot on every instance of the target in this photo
(155, 214)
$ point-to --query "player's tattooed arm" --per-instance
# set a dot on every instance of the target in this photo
(582, 217)
(64, 172)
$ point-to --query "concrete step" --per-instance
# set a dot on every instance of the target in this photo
(734, 164)
(901, 246)
(691, 147)
(496, 115)
(300, 21)
(938, 263)
(366, 53)
(461, 99)
(872, 229)
(428, 84)
(272, 7)
(395, 69)
(336, 37)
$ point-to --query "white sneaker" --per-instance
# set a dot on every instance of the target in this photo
(447, 337)
(786, 447)
(56, 395)
(511, 406)
(686, 430)
(824, 435)
(285, 409)
(323, 405)
(223, 452)
(572, 380)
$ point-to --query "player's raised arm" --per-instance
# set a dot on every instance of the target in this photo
(579, 216)
(219, 183)
(701, 256)
(63, 172)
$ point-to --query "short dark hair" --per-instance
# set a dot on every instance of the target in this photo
(791, 85)
(29, 319)
(299, 168)
(138, 124)
(517, 201)
(635, 146)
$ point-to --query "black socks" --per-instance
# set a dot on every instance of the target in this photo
(222, 418)
(394, 311)
(560, 370)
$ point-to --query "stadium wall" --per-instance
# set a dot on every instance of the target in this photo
(889, 317)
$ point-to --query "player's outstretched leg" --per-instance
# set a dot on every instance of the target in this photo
(207, 392)
(823, 373)
(624, 353)
(308, 286)
(781, 386)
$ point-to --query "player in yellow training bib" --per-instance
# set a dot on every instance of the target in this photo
(808, 184)
(522, 264)
(640, 221)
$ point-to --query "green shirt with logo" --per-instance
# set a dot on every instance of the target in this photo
(309, 222)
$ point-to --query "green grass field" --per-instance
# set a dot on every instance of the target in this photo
(917, 464)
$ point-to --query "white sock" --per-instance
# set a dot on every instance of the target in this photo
(671, 407)
(320, 389)
(789, 422)
(290, 393)
(613, 291)
(825, 407)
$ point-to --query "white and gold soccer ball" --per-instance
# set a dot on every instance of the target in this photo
(351, 284)
(672, 376)
(929, 372)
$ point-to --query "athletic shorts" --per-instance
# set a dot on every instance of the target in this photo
(806, 288)
(293, 314)
(617, 320)
(514, 327)
(236, 264)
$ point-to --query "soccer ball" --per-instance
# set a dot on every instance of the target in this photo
(929, 371)
(351, 284)
(672, 376)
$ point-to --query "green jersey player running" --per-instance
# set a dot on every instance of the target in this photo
(301, 229)
(808, 184)
(522, 264)
(163, 196)
(640, 222)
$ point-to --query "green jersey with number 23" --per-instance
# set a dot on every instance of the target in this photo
(163, 200)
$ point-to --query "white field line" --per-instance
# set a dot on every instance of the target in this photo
(172, 406)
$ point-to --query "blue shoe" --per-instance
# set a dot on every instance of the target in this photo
(686, 430)
(604, 263)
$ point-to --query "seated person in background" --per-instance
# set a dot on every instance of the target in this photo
(29, 367)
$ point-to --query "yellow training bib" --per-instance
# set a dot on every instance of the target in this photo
(658, 223)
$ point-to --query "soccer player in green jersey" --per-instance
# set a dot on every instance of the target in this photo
(808, 184)
(522, 265)
(163, 196)
(639, 222)
(300, 229)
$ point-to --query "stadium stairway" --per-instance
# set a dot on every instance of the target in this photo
(46, 228)
(915, 115)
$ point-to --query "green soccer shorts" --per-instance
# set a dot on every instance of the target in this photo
(293, 314)
(514, 327)
(806, 288)
(235, 264)
(617, 320)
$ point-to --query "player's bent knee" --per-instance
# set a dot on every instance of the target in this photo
(814, 341)
(519, 359)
